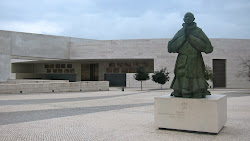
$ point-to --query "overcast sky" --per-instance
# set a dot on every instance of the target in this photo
(125, 19)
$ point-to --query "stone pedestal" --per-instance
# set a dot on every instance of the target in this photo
(202, 115)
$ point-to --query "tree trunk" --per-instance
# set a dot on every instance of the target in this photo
(141, 85)
(161, 87)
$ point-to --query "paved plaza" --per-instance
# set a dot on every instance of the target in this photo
(107, 115)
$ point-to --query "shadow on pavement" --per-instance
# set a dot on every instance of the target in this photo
(27, 116)
(41, 101)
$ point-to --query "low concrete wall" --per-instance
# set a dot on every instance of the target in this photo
(17, 81)
(54, 87)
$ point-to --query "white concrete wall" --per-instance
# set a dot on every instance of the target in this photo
(124, 49)
(5, 42)
(16, 44)
(229, 49)
(37, 45)
(5, 47)
(77, 67)
(20, 45)
(4, 67)
(18, 81)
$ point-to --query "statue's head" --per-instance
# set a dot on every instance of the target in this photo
(189, 18)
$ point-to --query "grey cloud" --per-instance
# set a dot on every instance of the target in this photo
(125, 19)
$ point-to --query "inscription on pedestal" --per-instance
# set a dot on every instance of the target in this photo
(178, 114)
(203, 115)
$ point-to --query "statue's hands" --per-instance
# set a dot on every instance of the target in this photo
(197, 43)
(187, 32)
(191, 38)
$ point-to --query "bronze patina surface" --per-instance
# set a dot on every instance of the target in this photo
(189, 42)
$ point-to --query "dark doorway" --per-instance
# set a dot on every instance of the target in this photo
(93, 71)
(89, 72)
(219, 71)
(116, 80)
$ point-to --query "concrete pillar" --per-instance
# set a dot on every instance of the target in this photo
(5, 51)
(5, 67)
(77, 67)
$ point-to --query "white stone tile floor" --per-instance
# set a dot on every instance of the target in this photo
(108, 115)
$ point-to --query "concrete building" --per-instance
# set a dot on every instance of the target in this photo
(37, 56)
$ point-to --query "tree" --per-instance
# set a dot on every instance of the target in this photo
(245, 63)
(141, 75)
(161, 76)
(208, 73)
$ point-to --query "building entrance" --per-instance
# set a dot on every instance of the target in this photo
(89, 72)
(219, 71)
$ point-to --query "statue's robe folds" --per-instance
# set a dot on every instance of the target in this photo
(189, 70)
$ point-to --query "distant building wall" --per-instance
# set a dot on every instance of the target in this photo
(4, 67)
(43, 47)
(5, 49)
(232, 50)
(125, 49)
(46, 70)
(20, 45)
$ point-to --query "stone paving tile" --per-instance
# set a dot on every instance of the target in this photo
(54, 100)
(112, 115)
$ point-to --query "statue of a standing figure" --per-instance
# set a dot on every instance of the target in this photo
(189, 42)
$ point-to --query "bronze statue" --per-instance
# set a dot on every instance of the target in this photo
(189, 42)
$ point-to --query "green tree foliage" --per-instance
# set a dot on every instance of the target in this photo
(141, 75)
(208, 73)
(161, 76)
